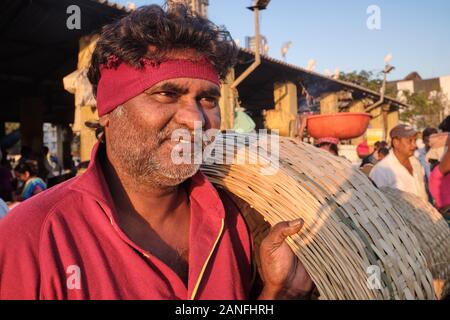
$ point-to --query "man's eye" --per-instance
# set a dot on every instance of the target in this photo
(210, 102)
(167, 94)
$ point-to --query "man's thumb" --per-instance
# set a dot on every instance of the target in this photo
(282, 230)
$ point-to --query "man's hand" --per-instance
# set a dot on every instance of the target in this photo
(283, 274)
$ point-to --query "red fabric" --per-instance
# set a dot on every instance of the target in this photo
(439, 186)
(118, 84)
(363, 149)
(74, 224)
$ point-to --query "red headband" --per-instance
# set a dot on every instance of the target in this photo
(119, 82)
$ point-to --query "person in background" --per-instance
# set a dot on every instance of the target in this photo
(400, 169)
(382, 153)
(4, 161)
(421, 153)
(3, 208)
(6, 179)
(377, 146)
(329, 144)
(439, 181)
(26, 172)
(445, 125)
(25, 154)
(438, 144)
(439, 185)
(50, 163)
(367, 157)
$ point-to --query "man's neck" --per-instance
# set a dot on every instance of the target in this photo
(155, 204)
(401, 157)
(404, 160)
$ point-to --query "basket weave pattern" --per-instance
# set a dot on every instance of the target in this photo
(350, 225)
(432, 231)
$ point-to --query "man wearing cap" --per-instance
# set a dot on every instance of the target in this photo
(400, 169)
(136, 225)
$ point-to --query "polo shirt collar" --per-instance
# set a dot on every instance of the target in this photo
(92, 182)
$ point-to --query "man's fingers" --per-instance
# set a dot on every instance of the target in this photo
(282, 230)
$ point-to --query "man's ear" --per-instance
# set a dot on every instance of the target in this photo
(394, 142)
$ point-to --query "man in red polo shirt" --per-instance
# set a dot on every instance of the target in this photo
(136, 225)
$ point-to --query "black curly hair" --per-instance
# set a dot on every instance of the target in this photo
(174, 28)
(29, 165)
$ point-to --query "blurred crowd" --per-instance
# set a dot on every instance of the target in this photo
(28, 176)
(424, 170)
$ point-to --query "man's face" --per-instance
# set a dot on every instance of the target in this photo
(405, 145)
(22, 176)
(139, 134)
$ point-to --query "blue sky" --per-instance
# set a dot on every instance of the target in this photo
(335, 33)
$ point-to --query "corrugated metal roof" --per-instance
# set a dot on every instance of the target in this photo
(318, 75)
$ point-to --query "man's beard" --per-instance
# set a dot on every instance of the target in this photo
(144, 154)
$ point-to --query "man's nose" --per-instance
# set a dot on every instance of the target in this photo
(191, 115)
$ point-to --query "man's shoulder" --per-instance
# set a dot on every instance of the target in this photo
(383, 164)
(228, 204)
(233, 205)
(383, 168)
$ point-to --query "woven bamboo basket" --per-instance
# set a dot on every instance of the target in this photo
(432, 231)
(354, 244)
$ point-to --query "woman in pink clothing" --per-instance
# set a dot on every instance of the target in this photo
(439, 184)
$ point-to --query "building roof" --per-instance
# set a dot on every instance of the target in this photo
(419, 84)
(413, 76)
(257, 89)
(38, 50)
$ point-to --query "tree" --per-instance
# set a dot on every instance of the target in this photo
(426, 110)
(370, 80)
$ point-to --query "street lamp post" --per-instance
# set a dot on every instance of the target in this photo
(257, 6)
(387, 69)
